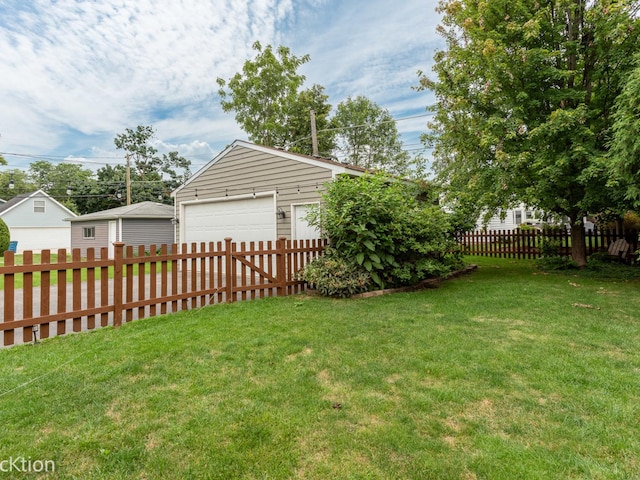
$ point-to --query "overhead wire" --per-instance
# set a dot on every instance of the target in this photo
(70, 158)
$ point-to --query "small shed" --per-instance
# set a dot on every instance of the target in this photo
(37, 221)
(251, 192)
(144, 223)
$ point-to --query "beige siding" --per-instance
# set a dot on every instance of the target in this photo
(242, 170)
(101, 238)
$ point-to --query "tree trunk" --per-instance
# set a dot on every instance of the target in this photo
(578, 243)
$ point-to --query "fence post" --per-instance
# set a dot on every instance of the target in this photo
(117, 283)
(281, 266)
(9, 298)
(228, 265)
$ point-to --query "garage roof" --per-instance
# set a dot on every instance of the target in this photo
(137, 210)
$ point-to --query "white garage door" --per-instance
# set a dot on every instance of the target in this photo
(246, 220)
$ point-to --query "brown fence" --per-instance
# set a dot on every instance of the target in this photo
(526, 243)
(79, 294)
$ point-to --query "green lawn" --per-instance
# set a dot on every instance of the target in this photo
(18, 278)
(506, 373)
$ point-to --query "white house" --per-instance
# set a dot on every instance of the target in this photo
(37, 221)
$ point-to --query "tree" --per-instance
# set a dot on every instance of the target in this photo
(625, 143)
(367, 136)
(525, 91)
(108, 191)
(5, 237)
(152, 176)
(2, 160)
(20, 181)
(299, 127)
(266, 99)
(66, 182)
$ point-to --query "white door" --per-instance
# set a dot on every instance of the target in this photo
(301, 228)
(244, 220)
(112, 237)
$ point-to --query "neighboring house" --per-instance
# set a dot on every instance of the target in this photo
(37, 221)
(522, 215)
(513, 218)
(144, 223)
(251, 192)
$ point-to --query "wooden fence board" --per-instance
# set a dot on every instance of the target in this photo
(99, 290)
(525, 243)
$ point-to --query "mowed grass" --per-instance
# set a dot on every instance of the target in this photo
(502, 374)
(53, 280)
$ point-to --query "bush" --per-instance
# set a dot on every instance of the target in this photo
(549, 248)
(333, 275)
(5, 237)
(389, 227)
(547, 264)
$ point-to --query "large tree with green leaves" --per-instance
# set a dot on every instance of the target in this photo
(66, 182)
(525, 95)
(625, 144)
(14, 182)
(367, 136)
(152, 176)
(268, 102)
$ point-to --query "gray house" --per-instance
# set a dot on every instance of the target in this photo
(37, 221)
(251, 192)
(144, 223)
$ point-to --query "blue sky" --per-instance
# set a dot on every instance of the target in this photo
(76, 73)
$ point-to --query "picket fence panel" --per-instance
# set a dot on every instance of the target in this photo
(525, 243)
(40, 300)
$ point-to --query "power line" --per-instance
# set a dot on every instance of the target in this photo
(72, 159)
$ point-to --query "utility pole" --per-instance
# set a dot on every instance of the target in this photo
(314, 135)
(128, 178)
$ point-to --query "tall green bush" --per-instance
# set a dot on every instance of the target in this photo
(388, 226)
(5, 237)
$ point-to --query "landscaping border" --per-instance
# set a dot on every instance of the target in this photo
(429, 283)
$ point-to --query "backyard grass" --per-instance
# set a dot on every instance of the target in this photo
(506, 373)
(18, 278)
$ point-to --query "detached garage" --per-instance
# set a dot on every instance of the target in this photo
(253, 193)
(243, 219)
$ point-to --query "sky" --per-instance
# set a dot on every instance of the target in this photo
(76, 73)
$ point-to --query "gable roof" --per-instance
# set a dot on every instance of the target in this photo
(336, 167)
(136, 210)
(23, 197)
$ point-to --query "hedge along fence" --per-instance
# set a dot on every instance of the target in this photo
(85, 293)
(526, 243)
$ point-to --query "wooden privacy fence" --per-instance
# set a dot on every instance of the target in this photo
(60, 295)
(526, 243)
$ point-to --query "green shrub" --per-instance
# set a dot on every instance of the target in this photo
(549, 247)
(334, 275)
(389, 227)
(5, 237)
(547, 264)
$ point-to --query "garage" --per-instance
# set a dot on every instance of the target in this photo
(244, 220)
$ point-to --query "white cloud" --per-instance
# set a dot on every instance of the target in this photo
(78, 72)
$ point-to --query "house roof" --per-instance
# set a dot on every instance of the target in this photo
(327, 163)
(136, 210)
(23, 197)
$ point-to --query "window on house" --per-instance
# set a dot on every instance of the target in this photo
(518, 217)
(38, 206)
(529, 215)
(89, 232)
